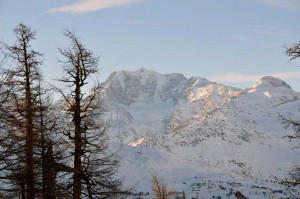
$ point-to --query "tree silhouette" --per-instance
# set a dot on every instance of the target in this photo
(20, 125)
(294, 175)
(93, 164)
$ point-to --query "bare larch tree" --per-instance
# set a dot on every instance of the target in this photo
(160, 189)
(93, 165)
(19, 131)
(294, 175)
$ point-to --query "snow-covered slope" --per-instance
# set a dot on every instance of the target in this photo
(168, 123)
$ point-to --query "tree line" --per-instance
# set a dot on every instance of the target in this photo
(52, 151)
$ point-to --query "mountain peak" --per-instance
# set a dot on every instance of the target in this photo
(143, 86)
(199, 81)
(140, 72)
(270, 82)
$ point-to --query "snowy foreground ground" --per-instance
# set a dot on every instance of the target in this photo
(192, 177)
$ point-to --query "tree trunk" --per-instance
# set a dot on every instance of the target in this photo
(30, 192)
(50, 172)
(77, 158)
(49, 175)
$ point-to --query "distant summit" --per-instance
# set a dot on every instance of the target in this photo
(143, 85)
(268, 82)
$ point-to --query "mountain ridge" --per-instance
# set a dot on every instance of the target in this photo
(187, 98)
(211, 125)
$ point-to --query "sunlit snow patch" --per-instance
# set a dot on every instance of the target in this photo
(137, 142)
(267, 94)
(252, 90)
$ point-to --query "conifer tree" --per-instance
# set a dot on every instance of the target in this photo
(160, 189)
(294, 175)
(19, 134)
(93, 165)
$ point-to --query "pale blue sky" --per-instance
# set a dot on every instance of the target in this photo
(230, 41)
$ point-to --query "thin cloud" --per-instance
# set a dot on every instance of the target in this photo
(130, 21)
(237, 37)
(269, 31)
(261, 30)
(83, 6)
(286, 4)
(241, 78)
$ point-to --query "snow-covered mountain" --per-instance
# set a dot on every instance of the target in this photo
(193, 127)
